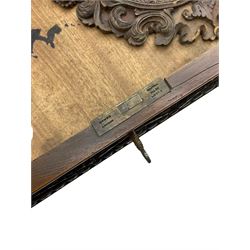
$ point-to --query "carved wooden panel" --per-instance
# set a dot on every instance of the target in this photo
(135, 20)
(78, 74)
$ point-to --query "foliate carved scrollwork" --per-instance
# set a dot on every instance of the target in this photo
(136, 19)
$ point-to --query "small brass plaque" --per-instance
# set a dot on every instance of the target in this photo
(131, 106)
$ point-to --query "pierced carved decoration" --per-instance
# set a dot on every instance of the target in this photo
(134, 20)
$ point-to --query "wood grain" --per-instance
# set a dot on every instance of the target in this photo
(83, 151)
(88, 72)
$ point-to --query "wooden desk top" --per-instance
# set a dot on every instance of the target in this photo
(81, 72)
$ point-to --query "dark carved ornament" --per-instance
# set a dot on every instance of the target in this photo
(136, 19)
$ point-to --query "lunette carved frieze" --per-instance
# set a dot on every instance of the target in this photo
(135, 20)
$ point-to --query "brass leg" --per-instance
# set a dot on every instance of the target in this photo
(135, 138)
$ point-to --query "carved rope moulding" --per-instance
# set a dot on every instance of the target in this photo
(134, 20)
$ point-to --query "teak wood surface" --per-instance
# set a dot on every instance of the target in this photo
(86, 149)
(88, 72)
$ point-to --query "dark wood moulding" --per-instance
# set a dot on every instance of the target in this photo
(79, 154)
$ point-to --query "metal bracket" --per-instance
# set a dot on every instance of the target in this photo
(123, 111)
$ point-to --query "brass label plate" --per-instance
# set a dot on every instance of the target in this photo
(131, 106)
